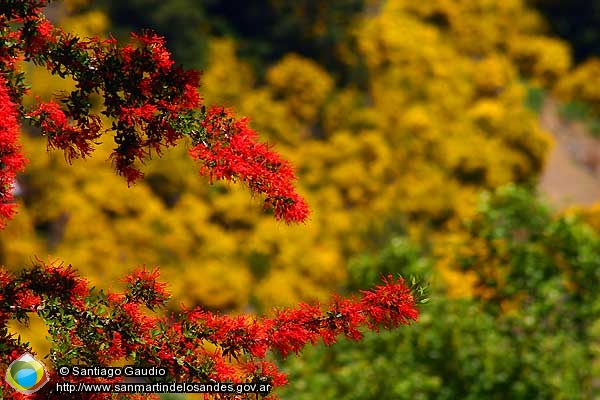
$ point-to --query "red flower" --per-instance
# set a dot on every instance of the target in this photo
(131, 115)
(11, 158)
(116, 349)
(144, 288)
(155, 44)
(128, 53)
(6, 277)
(116, 298)
(230, 151)
(190, 98)
(76, 141)
(124, 164)
(140, 323)
(291, 330)
(265, 370)
(41, 39)
(222, 371)
(162, 57)
(45, 29)
(27, 300)
(390, 304)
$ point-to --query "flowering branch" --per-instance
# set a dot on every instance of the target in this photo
(229, 150)
(152, 102)
(95, 328)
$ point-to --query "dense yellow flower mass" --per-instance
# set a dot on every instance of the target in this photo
(439, 117)
(582, 84)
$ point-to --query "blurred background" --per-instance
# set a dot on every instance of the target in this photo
(458, 140)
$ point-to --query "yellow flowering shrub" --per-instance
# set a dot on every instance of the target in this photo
(301, 84)
(543, 59)
(226, 77)
(482, 27)
(582, 84)
(493, 74)
(211, 284)
(419, 81)
(24, 241)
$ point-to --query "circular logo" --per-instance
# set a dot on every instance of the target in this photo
(26, 374)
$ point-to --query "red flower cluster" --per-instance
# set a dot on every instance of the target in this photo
(156, 45)
(229, 150)
(11, 158)
(153, 103)
(143, 287)
(388, 305)
(102, 329)
(76, 141)
(42, 35)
